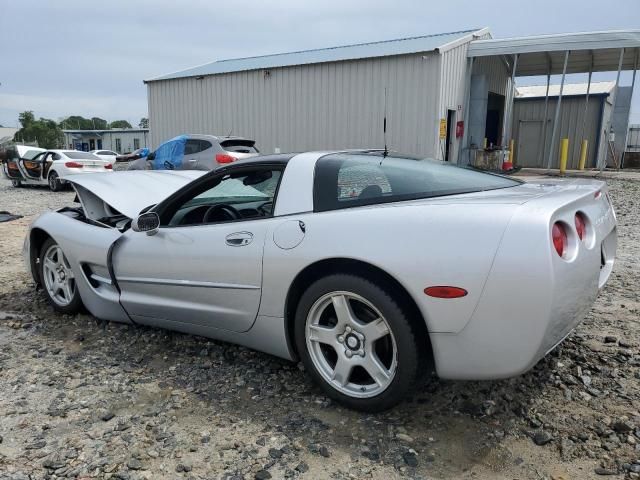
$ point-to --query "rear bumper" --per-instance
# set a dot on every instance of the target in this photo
(531, 301)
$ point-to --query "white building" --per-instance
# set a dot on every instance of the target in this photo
(118, 140)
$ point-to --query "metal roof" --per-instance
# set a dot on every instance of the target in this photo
(536, 91)
(401, 46)
(542, 54)
(113, 130)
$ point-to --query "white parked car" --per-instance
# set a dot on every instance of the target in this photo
(105, 155)
(51, 166)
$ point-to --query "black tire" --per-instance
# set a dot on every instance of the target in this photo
(76, 303)
(16, 183)
(408, 357)
(54, 182)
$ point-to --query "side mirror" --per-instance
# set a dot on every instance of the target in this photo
(147, 222)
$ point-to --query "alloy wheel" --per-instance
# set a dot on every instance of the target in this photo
(351, 344)
(58, 277)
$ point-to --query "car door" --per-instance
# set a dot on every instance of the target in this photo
(32, 168)
(192, 148)
(204, 272)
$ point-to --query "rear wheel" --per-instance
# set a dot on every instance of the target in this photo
(58, 279)
(356, 342)
(54, 182)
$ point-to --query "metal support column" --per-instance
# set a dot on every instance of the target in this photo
(585, 146)
(543, 132)
(633, 84)
(603, 161)
(467, 102)
(556, 117)
(506, 122)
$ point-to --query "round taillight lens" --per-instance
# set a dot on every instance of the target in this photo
(559, 236)
(581, 226)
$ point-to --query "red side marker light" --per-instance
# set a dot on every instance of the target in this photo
(442, 291)
(597, 194)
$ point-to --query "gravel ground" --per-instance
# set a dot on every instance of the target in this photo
(81, 398)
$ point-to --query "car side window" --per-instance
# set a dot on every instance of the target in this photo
(192, 146)
(56, 156)
(236, 196)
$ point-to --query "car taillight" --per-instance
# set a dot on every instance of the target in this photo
(224, 158)
(73, 165)
(597, 194)
(108, 166)
(559, 236)
(581, 226)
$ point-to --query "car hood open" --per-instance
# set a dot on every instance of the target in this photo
(127, 192)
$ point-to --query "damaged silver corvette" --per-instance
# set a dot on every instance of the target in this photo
(370, 268)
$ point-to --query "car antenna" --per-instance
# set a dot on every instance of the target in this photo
(230, 130)
(384, 128)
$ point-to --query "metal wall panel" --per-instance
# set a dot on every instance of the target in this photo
(453, 69)
(570, 126)
(633, 139)
(498, 77)
(452, 85)
(329, 105)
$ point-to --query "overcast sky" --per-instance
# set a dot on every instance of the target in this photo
(79, 57)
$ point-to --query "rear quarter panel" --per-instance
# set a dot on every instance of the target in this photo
(420, 244)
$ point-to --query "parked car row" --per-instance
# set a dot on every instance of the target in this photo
(25, 165)
(196, 152)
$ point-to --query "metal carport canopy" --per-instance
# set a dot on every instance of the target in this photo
(544, 54)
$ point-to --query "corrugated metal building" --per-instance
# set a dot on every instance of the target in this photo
(330, 98)
(528, 122)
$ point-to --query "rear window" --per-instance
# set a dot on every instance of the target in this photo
(351, 180)
(239, 146)
(77, 155)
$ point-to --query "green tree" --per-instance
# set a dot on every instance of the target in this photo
(120, 124)
(99, 123)
(76, 122)
(144, 122)
(45, 132)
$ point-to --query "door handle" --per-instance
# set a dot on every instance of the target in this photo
(193, 160)
(239, 239)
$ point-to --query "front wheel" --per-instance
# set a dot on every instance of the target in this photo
(356, 342)
(16, 183)
(58, 279)
(54, 182)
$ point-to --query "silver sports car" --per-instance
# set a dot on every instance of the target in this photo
(369, 268)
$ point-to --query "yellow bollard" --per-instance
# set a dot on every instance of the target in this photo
(564, 153)
(511, 152)
(583, 154)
